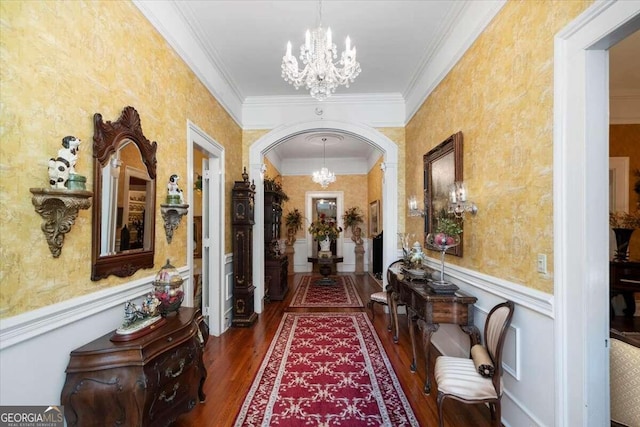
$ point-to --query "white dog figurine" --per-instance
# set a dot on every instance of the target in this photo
(63, 165)
(173, 188)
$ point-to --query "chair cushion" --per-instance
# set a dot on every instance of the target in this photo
(380, 297)
(482, 361)
(458, 376)
(624, 369)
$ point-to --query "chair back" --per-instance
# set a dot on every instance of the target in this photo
(393, 264)
(495, 332)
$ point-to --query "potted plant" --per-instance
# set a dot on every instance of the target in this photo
(352, 218)
(623, 225)
(447, 232)
(293, 220)
(324, 230)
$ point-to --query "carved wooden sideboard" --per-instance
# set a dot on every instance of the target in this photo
(147, 381)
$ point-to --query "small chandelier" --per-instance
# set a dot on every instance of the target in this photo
(320, 74)
(324, 177)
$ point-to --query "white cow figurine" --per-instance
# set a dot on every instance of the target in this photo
(60, 167)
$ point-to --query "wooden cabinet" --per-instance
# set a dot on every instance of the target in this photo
(147, 381)
(242, 200)
(275, 263)
(275, 277)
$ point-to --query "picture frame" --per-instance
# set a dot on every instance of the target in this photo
(374, 218)
(442, 168)
(197, 237)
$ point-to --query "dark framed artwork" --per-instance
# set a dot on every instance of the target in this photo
(197, 237)
(442, 168)
(374, 218)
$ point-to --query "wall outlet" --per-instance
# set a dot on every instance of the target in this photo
(542, 263)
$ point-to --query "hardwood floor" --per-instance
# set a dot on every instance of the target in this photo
(233, 359)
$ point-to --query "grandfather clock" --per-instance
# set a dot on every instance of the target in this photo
(242, 226)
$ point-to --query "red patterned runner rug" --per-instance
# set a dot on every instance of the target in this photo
(326, 369)
(342, 294)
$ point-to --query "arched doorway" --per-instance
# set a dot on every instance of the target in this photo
(365, 133)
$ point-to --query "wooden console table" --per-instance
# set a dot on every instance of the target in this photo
(428, 310)
(147, 381)
(326, 265)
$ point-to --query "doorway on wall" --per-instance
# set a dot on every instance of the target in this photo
(328, 203)
(329, 208)
(209, 290)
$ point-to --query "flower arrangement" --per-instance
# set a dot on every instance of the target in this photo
(624, 220)
(324, 228)
(293, 220)
(352, 217)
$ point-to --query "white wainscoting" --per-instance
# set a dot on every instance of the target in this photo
(35, 346)
(300, 264)
(529, 353)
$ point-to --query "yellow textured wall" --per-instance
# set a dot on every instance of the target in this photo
(500, 95)
(624, 141)
(374, 192)
(296, 186)
(63, 61)
(396, 135)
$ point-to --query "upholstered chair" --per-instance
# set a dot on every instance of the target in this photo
(624, 381)
(477, 379)
(382, 298)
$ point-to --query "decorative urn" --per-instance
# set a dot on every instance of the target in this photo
(168, 289)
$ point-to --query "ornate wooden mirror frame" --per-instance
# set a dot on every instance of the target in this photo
(108, 139)
(442, 168)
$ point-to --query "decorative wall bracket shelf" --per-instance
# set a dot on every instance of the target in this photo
(59, 208)
(172, 214)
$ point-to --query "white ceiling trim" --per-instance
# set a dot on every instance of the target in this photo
(375, 110)
(471, 23)
(171, 25)
(624, 107)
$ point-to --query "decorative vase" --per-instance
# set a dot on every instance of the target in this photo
(325, 245)
(441, 242)
(623, 236)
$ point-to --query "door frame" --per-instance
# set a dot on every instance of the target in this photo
(213, 220)
(580, 197)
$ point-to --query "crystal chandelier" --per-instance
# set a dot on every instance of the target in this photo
(324, 177)
(320, 74)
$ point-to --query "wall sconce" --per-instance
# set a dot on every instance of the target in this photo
(458, 203)
(413, 207)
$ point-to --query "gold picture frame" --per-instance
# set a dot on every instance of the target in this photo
(374, 218)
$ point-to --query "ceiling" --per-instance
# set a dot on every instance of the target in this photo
(395, 42)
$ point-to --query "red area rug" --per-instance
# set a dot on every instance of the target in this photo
(326, 369)
(342, 294)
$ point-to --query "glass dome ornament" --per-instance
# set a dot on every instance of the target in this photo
(168, 289)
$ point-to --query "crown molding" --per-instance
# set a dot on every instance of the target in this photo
(374, 109)
(171, 23)
(624, 107)
(471, 22)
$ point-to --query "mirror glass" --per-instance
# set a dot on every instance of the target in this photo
(125, 193)
(126, 190)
